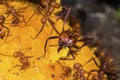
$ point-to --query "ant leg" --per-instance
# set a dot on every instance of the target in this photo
(86, 41)
(8, 31)
(75, 75)
(29, 56)
(5, 55)
(53, 37)
(95, 64)
(39, 30)
(31, 16)
(21, 10)
(27, 49)
(14, 67)
(77, 48)
(53, 26)
(94, 61)
(73, 57)
(8, 14)
(90, 73)
(23, 19)
(14, 39)
(112, 76)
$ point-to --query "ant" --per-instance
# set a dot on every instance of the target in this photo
(50, 7)
(22, 58)
(68, 38)
(105, 68)
(2, 26)
(15, 14)
(79, 74)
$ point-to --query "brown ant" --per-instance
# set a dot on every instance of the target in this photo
(68, 38)
(2, 26)
(50, 7)
(22, 58)
(105, 68)
(15, 14)
(79, 74)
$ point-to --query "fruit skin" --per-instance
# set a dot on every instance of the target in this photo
(45, 68)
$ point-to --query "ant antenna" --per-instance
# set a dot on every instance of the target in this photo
(68, 12)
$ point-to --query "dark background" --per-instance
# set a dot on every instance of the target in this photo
(99, 19)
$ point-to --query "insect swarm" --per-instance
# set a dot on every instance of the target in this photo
(42, 69)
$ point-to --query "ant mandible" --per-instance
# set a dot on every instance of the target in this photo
(68, 38)
(15, 14)
(50, 7)
(25, 64)
(2, 26)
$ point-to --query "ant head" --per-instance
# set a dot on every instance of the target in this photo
(77, 66)
(63, 38)
(17, 54)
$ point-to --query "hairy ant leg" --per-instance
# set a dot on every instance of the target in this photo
(46, 42)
